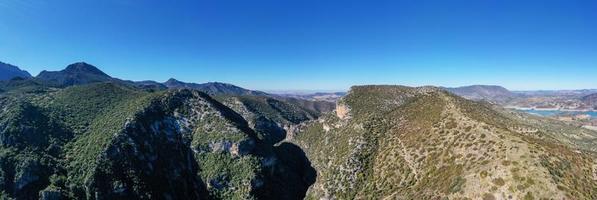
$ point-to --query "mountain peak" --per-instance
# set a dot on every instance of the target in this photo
(8, 71)
(172, 80)
(83, 67)
(75, 74)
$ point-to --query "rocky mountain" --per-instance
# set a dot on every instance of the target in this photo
(212, 88)
(268, 114)
(273, 119)
(395, 142)
(113, 141)
(85, 135)
(75, 74)
(8, 71)
(491, 93)
(82, 73)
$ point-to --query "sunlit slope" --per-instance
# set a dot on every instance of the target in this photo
(399, 142)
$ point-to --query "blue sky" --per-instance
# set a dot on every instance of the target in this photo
(311, 44)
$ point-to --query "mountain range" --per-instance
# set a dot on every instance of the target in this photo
(79, 133)
(490, 93)
(212, 88)
(543, 99)
(83, 73)
(8, 71)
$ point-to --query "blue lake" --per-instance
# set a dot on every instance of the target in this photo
(593, 114)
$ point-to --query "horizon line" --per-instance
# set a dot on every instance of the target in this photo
(309, 91)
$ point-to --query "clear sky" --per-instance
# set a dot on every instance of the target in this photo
(311, 44)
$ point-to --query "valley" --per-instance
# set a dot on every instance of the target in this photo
(576, 107)
(298, 100)
(79, 133)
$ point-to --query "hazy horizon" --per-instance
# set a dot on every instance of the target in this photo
(316, 90)
(311, 45)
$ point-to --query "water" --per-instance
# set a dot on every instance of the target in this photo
(548, 113)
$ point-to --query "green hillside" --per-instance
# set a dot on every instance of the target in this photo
(423, 143)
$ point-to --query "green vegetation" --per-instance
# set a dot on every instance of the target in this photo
(228, 177)
(65, 129)
(65, 132)
(78, 106)
(80, 134)
(83, 152)
(116, 141)
(215, 129)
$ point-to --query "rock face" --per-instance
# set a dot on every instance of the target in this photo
(156, 147)
(425, 143)
(342, 111)
(8, 71)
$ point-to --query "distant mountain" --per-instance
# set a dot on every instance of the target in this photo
(491, 93)
(8, 71)
(557, 93)
(75, 74)
(212, 88)
(149, 84)
(318, 96)
(590, 100)
(83, 73)
(301, 104)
